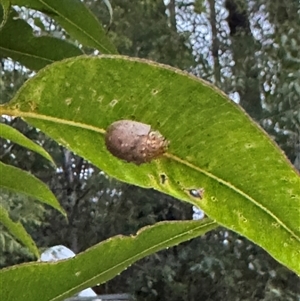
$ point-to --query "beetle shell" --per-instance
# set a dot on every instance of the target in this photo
(134, 141)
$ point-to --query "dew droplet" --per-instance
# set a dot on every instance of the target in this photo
(197, 193)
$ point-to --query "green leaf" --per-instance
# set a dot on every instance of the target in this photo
(18, 42)
(9, 133)
(96, 265)
(5, 8)
(250, 187)
(17, 180)
(39, 23)
(110, 10)
(76, 19)
(18, 231)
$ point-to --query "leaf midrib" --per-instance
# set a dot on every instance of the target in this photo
(137, 256)
(28, 54)
(168, 155)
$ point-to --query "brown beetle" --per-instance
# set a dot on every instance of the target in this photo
(134, 141)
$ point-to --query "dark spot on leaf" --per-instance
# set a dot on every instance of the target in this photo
(134, 141)
(163, 178)
(214, 199)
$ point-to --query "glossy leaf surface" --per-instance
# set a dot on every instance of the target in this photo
(250, 187)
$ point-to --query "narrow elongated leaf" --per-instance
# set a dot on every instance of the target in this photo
(76, 19)
(17, 180)
(33, 52)
(110, 10)
(5, 8)
(18, 231)
(9, 133)
(59, 280)
(250, 187)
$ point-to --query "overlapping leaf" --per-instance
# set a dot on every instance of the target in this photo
(59, 280)
(9, 133)
(5, 6)
(76, 19)
(17, 180)
(33, 52)
(18, 231)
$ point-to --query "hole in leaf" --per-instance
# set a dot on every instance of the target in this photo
(163, 178)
